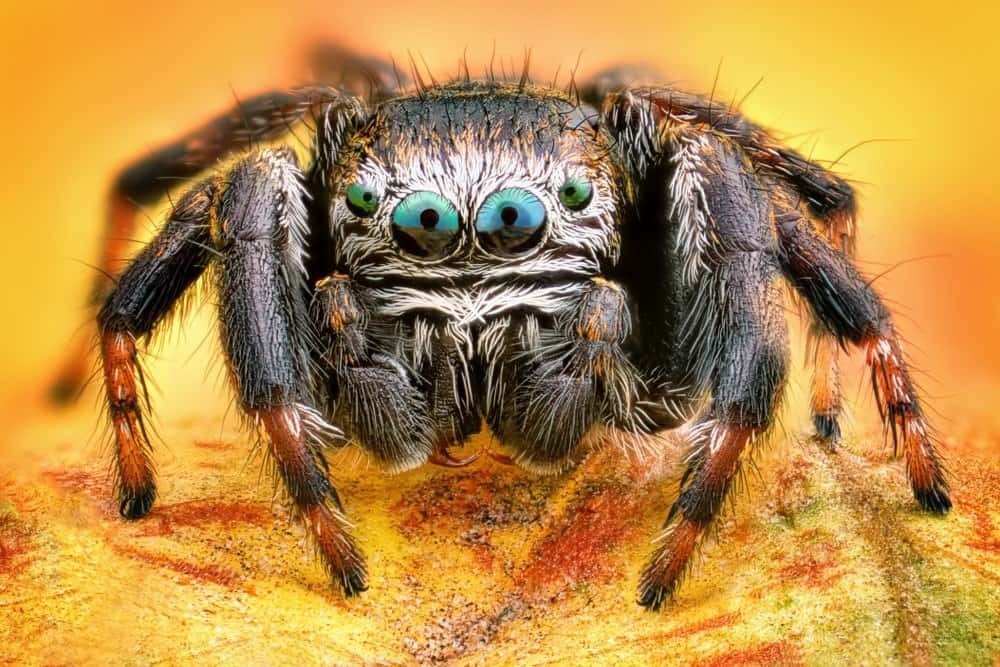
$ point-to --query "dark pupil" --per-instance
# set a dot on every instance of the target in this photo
(367, 196)
(428, 218)
(509, 215)
(570, 191)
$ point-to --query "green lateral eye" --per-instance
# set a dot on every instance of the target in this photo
(425, 224)
(576, 193)
(510, 222)
(361, 199)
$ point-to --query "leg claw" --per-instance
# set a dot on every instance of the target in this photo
(136, 504)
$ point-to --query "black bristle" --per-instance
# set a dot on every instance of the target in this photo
(136, 503)
(827, 429)
(933, 499)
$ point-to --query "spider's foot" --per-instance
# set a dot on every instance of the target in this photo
(354, 581)
(827, 430)
(653, 596)
(933, 498)
(136, 503)
(343, 560)
(662, 574)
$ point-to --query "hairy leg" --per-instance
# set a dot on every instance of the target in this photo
(259, 230)
(848, 308)
(701, 168)
(639, 113)
(144, 295)
(702, 263)
(147, 180)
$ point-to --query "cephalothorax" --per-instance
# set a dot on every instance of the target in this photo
(502, 252)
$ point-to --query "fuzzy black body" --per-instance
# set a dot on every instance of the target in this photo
(504, 254)
(482, 335)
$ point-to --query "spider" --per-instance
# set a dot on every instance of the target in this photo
(551, 263)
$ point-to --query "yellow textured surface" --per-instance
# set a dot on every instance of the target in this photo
(826, 562)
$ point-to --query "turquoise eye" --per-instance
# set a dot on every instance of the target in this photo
(576, 193)
(361, 199)
(510, 222)
(425, 224)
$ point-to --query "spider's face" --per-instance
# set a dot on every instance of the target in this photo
(473, 182)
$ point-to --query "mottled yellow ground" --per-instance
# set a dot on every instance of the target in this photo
(824, 561)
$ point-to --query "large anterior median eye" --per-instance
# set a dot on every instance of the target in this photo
(510, 222)
(425, 224)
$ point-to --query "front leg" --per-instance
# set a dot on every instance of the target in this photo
(145, 294)
(703, 261)
(258, 231)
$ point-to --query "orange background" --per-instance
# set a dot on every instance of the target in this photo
(88, 86)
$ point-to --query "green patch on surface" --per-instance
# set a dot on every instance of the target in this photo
(966, 608)
(967, 639)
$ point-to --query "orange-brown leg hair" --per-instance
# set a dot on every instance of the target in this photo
(847, 306)
(715, 462)
(903, 418)
(147, 291)
(304, 472)
(122, 377)
(135, 474)
(268, 340)
(825, 396)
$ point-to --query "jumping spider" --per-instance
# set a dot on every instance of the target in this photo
(491, 250)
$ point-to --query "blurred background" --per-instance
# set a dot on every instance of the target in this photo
(89, 86)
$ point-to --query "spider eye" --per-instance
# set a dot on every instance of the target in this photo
(362, 200)
(510, 222)
(576, 193)
(425, 224)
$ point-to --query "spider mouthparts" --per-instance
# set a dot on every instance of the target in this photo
(442, 457)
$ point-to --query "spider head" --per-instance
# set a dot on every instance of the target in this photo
(476, 181)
